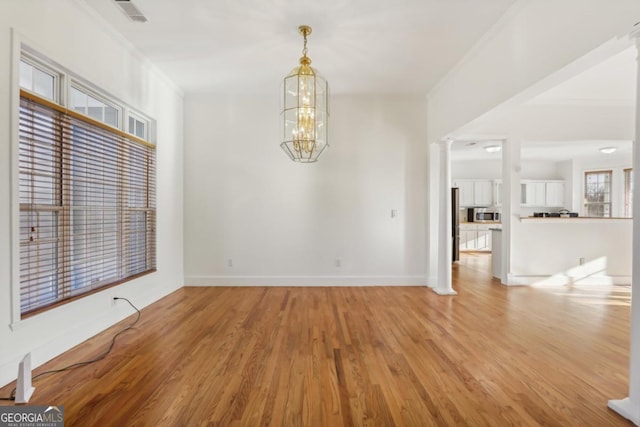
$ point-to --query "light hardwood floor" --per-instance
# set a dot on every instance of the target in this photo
(490, 356)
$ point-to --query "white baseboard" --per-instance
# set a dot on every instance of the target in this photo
(305, 281)
(444, 291)
(627, 409)
(563, 280)
(431, 282)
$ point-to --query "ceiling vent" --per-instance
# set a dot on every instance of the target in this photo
(131, 10)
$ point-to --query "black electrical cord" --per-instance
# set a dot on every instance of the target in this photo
(12, 396)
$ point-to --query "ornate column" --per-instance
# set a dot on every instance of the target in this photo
(432, 214)
(444, 285)
(511, 161)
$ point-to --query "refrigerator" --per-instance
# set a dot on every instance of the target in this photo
(455, 223)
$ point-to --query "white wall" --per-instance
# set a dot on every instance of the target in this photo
(476, 169)
(514, 61)
(286, 223)
(550, 252)
(70, 34)
(492, 169)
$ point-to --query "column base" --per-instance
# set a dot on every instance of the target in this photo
(444, 291)
(627, 409)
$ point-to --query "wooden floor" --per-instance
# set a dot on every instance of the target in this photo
(376, 356)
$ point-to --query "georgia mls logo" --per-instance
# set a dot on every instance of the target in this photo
(53, 408)
(31, 416)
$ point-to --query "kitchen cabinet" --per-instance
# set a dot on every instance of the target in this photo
(554, 194)
(474, 192)
(542, 193)
(497, 192)
(475, 237)
(466, 192)
(482, 193)
(533, 193)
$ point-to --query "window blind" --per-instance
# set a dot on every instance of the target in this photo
(87, 205)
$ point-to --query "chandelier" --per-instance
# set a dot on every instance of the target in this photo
(305, 110)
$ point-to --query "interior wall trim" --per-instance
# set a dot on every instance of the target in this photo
(305, 281)
(564, 280)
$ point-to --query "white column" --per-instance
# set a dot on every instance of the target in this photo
(630, 406)
(432, 213)
(444, 286)
(511, 168)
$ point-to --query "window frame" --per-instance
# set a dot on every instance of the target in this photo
(64, 80)
(51, 69)
(587, 205)
(75, 84)
(628, 192)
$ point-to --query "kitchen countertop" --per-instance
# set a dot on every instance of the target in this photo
(580, 219)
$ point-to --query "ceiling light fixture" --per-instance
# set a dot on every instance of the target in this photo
(608, 150)
(305, 110)
(492, 148)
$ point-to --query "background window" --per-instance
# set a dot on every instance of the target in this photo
(37, 80)
(597, 194)
(628, 193)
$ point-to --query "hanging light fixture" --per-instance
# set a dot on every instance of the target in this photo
(305, 110)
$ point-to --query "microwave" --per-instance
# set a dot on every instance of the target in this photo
(482, 215)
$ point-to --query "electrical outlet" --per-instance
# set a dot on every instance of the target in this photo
(338, 262)
(229, 262)
(394, 213)
(581, 261)
(114, 300)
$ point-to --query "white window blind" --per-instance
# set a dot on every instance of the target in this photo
(87, 204)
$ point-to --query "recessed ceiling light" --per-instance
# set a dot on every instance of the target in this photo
(608, 150)
(492, 148)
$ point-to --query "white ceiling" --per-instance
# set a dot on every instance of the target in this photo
(612, 82)
(360, 46)
(555, 124)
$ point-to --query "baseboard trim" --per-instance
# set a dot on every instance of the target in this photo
(305, 281)
(563, 280)
(627, 409)
(444, 291)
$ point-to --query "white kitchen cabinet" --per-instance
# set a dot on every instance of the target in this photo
(474, 192)
(542, 193)
(482, 193)
(497, 192)
(475, 237)
(554, 194)
(468, 239)
(466, 192)
(534, 193)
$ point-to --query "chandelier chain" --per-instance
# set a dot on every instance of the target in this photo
(304, 49)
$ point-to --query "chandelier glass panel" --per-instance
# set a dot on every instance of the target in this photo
(305, 110)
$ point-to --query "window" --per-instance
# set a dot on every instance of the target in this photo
(597, 194)
(38, 79)
(137, 127)
(87, 196)
(628, 192)
(85, 103)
